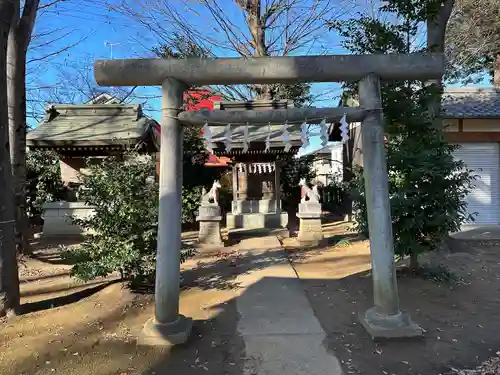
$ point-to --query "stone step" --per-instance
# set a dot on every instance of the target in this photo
(238, 235)
(257, 220)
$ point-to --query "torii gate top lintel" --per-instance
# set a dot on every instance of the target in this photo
(263, 70)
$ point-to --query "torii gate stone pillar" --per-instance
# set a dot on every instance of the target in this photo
(385, 319)
(168, 327)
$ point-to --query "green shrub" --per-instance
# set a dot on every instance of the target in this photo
(225, 199)
(195, 175)
(293, 169)
(334, 197)
(427, 190)
(44, 183)
(427, 186)
(191, 197)
(123, 230)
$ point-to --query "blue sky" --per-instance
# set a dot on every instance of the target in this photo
(99, 33)
(95, 32)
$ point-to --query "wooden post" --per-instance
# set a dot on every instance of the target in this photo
(168, 327)
(277, 185)
(235, 182)
(384, 320)
(243, 185)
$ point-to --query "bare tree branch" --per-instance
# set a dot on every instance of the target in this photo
(244, 28)
(49, 4)
(58, 52)
(473, 39)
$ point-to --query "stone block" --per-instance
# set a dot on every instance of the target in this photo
(257, 220)
(254, 206)
(310, 230)
(209, 211)
(58, 218)
(309, 207)
(209, 233)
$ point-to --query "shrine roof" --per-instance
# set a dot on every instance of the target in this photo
(90, 125)
(217, 161)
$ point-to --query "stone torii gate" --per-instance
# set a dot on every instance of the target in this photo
(385, 319)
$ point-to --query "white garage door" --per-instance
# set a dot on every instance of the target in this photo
(484, 159)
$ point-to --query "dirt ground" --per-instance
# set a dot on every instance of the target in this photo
(71, 328)
(89, 329)
(461, 320)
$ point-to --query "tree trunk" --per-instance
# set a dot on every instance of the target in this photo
(9, 278)
(414, 263)
(436, 30)
(436, 33)
(16, 95)
(19, 40)
(436, 27)
(256, 25)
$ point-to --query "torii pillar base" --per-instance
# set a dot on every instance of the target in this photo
(382, 326)
(169, 334)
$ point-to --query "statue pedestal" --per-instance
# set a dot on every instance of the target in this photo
(209, 217)
(310, 231)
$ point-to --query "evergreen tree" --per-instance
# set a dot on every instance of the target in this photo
(427, 186)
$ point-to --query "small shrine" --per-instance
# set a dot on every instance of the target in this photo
(257, 152)
(94, 130)
(97, 129)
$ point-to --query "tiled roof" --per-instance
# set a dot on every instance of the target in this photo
(217, 161)
(471, 103)
(104, 99)
(86, 125)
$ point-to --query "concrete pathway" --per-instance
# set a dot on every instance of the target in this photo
(278, 326)
(487, 232)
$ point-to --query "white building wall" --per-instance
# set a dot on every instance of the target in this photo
(322, 167)
(336, 162)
